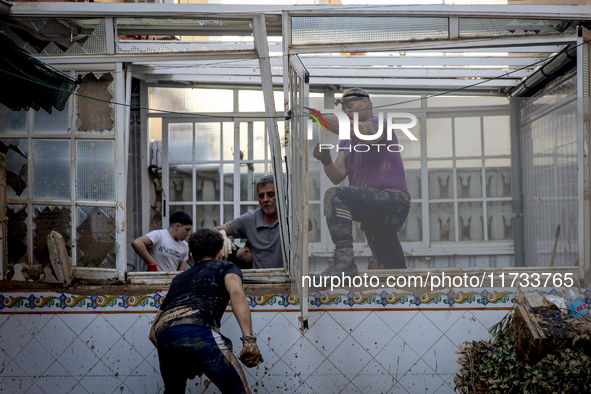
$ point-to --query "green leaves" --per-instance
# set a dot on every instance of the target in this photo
(494, 367)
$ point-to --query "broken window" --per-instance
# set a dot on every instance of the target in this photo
(95, 237)
(16, 162)
(96, 116)
(50, 176)
(17, 234)
(45, 220)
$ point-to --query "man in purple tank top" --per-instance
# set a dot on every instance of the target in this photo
(377, 195)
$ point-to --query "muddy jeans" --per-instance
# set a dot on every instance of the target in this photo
(186, 351)
(381, 213)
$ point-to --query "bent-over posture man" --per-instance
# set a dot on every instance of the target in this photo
(166, 250)
(260, 227)
(377, 195)
(186, 330)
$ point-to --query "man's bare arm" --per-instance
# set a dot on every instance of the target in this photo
(140, 245)
(222, 227)
(365, 128)
(152, 335)
(336, 171)
(240, 306)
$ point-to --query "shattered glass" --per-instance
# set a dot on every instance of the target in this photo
(17, 234)
(45, 220)
(16, 162)
(95, 111)
(95, 237)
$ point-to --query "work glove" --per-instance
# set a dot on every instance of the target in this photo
(153, 267)
(228, 246)
(323, 156)
(250, 354)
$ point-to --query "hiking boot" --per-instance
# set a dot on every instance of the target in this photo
(344, 263)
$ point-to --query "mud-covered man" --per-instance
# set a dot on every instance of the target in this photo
(186, 330)
(377, 195)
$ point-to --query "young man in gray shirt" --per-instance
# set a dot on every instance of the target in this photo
(260, 227)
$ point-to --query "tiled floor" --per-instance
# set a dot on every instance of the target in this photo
(343, 352)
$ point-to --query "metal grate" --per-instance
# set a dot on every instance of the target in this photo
(340, 30)
(479, 27)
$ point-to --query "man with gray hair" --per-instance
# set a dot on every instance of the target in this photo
(260, 227)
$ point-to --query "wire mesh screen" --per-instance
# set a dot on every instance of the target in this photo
(479, 27)
(95, 164)
(339, 30)
(51, 169)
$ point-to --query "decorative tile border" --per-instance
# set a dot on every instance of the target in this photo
(443, 299)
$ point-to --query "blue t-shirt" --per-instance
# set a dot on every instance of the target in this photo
(198, 296)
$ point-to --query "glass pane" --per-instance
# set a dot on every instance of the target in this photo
(228, 138)
(315, 222)
(467, 136)
(498, 179)
(441, 222)
(17, 234)
(188, 209)
(466, 101)
(471, 223)
(95, 164)
(440, 180)
(253, 101)
(252, 141)
(228, 178)
(314, 171)
(413, 178)
(247, 208)
(412, 230)
(191, 100)
(249, 175)
(45, 220)
(180, 142)
(51, 169)
(497, 135)
(12, 121)
(228, 213)
(439, 138)
(96, 232)
(155, 129)
(56, 122)
(500, 225)
(207, 216)
(180, 178)
(16, 161)
(207, 182)
(469, 173)
(411, 148)
(96, 116)
(207, 141)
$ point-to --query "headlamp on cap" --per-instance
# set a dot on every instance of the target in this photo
(349, 98)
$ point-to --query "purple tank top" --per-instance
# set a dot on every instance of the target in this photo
(378, 167)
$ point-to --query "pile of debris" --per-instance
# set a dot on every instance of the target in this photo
(542, 350)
